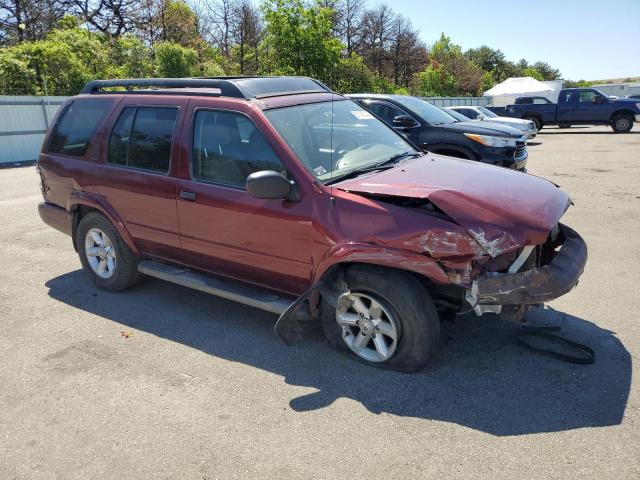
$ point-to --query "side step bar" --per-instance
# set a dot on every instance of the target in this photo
(235, 291)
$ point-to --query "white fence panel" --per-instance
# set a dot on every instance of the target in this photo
(23, 122)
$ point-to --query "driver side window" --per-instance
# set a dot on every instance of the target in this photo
(385, 111)
(227, 148)
(588, 96)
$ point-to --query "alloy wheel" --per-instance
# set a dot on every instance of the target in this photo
(100, 253)
(368, 327)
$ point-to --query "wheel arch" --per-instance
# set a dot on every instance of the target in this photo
(341, 257)
(446, 148)
(622, 111)
(80, 204)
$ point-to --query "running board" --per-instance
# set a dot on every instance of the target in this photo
(231, 290)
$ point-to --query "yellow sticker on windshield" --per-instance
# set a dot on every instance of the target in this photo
(361, 114)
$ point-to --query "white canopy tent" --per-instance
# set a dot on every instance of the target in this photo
(506, 92)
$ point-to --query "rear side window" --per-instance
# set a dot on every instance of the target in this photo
(73, 132)
(141, 138)
(469, 113)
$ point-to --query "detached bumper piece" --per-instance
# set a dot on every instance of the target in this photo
(489, 293)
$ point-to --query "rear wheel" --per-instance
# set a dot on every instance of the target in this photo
(105, 258)
(386, 320)
(622, 123)
(536, 121)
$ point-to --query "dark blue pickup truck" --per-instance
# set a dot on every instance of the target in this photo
(580, 106)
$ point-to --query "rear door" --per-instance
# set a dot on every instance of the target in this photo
(224, 229)
(138, 173)
(567, 106)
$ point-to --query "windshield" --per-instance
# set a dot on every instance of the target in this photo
(458, 116)
(335, 138)
(428, 112)
(486, 112)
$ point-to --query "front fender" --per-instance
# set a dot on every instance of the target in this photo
(386, 257)
(99, 203)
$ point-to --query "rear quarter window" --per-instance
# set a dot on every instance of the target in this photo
(74, 130)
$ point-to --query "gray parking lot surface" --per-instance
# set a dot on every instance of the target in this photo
(201, 389)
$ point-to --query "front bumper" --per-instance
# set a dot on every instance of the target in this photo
(489, 293)
(530, 134)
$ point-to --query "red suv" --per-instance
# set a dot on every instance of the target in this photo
(280, 194)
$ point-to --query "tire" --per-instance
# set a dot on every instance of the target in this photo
(120, 264)
(536, 121)
(405, 305)
(622, 123)
(564, 125)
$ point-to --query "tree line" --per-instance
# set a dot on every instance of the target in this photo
(54, 46)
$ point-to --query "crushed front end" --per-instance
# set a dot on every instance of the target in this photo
(538, 274)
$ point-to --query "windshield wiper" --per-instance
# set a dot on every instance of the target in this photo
(383, 165)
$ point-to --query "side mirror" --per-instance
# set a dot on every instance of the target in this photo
(481, 116)
(403, 121)
(271, 185)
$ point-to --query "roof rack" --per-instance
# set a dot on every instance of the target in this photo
(238, 87)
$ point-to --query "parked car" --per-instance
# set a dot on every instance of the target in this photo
(636, 96)
(527, 127)
(435, 130)
(277, 193)
(585, 106)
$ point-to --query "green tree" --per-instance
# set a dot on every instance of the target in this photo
(352, 75)
(533, 73)
(174, 61)
(435, 81)
(299, 39)
(129, 58)
(178, 24)
(16, 77)
(547, 71)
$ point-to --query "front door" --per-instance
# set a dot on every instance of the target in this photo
(225, 230)
(592, 107)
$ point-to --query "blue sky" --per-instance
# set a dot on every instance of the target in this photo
(584, 39)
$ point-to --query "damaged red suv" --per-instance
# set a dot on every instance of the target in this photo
(277, 193)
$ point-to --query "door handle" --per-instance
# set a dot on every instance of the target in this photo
(187, 195)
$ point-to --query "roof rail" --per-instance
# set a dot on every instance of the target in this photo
(239, 87)
(227, 88)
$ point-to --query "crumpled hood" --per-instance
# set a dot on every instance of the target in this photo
(501, 209)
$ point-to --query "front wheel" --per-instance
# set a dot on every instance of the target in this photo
(622, 124)
(536, 121)
(386, 320)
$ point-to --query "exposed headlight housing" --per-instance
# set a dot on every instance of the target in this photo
(489, 141)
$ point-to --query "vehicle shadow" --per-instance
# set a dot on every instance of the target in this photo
(481, 379)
